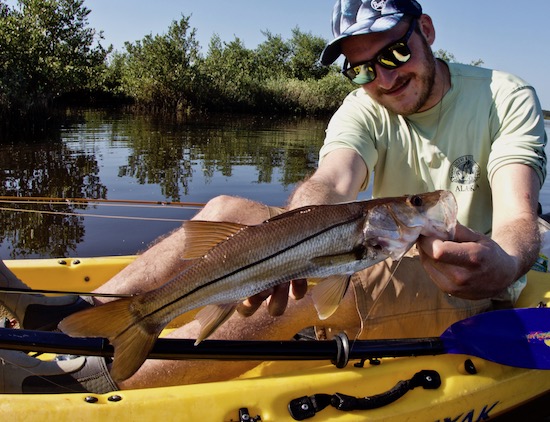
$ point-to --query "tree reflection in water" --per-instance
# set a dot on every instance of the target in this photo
(103, 154)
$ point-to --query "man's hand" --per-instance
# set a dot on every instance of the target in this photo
(472, 266)
(277, 298)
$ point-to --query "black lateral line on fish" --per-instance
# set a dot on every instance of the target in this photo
(198, 288)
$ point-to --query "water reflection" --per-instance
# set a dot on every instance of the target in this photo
(47, 169)
(108, 155)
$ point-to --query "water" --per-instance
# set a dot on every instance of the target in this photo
(116, 156)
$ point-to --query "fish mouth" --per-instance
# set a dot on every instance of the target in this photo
(442, 218)
(393, 228)
(433, 215)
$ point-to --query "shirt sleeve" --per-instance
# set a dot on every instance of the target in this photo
(519, 134)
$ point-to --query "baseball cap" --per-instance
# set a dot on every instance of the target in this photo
(357, 17)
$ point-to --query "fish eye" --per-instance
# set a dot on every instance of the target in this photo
(415, 200)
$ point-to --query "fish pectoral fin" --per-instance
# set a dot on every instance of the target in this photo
(211, 317)
(201, 236)
(328, 294)
(334, 260)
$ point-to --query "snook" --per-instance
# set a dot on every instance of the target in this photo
(234, 262)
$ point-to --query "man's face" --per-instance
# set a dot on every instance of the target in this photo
(407, 89)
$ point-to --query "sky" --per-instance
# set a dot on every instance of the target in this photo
(507, 35)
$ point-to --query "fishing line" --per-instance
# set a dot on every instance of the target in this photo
(100, 201)
(5, 361)
(104, 204)
(26, 369)
(385, 284)
(119, 217)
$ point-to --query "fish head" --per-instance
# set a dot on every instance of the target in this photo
(393, 225)
(439, 210)
(434, 213)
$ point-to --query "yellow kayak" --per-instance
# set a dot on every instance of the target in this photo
(470, 389)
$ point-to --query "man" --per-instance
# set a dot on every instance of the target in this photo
(415, 124)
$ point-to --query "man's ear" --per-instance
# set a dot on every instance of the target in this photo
(426, 27)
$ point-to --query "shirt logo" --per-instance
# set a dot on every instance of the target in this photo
(466, 172)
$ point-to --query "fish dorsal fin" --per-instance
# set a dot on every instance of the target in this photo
(201, 236)
(328, 294)
(211, 317)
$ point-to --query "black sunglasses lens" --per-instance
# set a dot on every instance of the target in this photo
(362, 74)
(395, 56)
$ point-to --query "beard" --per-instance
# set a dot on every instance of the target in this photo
(425, 81)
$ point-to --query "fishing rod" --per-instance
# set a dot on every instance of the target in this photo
(513, 337)
(75, 214)
(99, 200)
(105, 202)
(22, 291)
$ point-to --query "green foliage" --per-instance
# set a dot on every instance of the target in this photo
(306, 50)
(161, 70)
(273, 57)
(311, 96)
(46, 50)
(227, 75)
(277, 77)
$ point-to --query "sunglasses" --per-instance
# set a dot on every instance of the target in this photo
(390, 57)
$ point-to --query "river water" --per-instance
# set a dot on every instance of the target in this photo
(102, 154)
(111, 155)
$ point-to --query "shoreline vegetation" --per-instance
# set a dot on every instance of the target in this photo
(51, 59)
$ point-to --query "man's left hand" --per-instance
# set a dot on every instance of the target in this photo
(472, 266)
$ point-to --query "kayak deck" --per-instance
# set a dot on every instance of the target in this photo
(471, 388)
(487, 393)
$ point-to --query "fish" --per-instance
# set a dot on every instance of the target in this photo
(234, 261)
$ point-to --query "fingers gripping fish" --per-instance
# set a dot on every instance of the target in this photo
(233, 262)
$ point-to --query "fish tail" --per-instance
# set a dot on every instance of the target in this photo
(131, 336)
